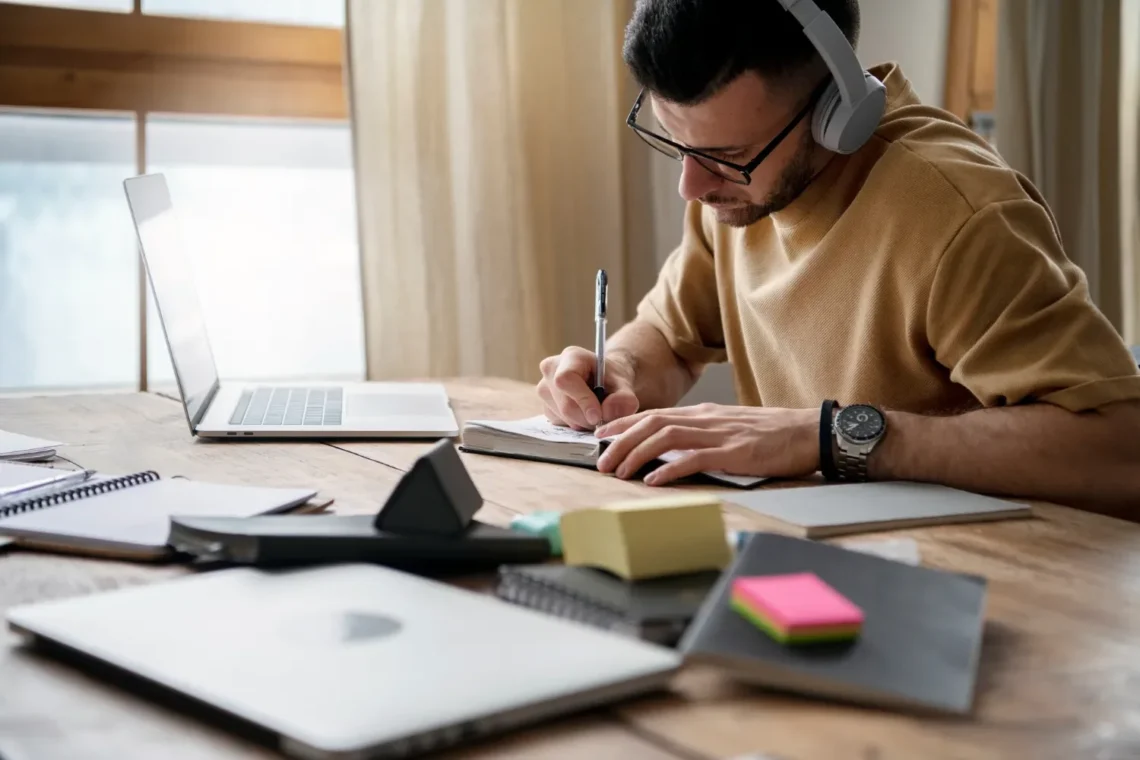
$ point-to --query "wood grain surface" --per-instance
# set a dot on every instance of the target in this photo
(1059, 674)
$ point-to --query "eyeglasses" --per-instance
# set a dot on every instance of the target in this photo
(741, 174)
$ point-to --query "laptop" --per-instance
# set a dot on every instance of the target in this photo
(352, 660)
(261, 410)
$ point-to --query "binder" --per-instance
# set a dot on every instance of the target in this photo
(656, 610)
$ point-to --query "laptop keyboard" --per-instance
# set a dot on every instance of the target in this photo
(289, 406)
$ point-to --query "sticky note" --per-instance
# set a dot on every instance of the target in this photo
(796, 608)
(648, 538)
(545, 524)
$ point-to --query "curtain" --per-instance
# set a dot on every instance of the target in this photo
(1130, 164)
(494, 178)
(1059, 121)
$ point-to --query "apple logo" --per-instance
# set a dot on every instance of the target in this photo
(335, 628)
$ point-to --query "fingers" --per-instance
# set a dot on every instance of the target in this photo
(691, 463)
(645, 426)
(618, 404)
(622, 424)
(668, 438)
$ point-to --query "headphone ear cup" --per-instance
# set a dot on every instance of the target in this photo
(823, 127)
(841, 128)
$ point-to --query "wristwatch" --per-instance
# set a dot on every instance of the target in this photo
(858, 429)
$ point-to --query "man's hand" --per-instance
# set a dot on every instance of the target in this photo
(738, 440)
(566, 392)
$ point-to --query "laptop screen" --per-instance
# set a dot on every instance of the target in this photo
(175, 297)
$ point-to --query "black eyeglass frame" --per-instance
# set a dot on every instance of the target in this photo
(744, 169)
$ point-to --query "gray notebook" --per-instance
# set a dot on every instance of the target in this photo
(834, 510)
(918, 649)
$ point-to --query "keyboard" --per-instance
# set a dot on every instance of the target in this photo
(289, 406)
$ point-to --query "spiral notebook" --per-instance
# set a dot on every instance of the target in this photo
(129, 516)
(656, 610)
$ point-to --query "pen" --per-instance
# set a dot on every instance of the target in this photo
(67, 478)
(600, 334)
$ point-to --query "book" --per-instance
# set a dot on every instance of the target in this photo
(835, 510)
(129, 516)
(917, 650)
(539, 439)
(15, 447)
(656, 610)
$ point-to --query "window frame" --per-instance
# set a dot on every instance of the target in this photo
(90, 61)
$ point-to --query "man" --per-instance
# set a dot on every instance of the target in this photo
(917, 275)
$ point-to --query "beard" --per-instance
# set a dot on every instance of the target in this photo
(795, 178)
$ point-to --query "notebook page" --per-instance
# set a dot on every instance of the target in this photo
(539, 428)
(140, 515)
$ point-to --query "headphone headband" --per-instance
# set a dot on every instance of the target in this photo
(850, 111)
(832, 46)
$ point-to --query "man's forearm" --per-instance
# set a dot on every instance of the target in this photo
(1089, 460)
(660, 377)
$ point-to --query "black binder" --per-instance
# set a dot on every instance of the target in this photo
(656, 610)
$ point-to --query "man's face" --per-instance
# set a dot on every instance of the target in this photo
(735, 124)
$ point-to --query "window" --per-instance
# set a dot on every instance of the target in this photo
(68, 282)
(120, 6)
(267, 214)
(249, 123)
(302, 12)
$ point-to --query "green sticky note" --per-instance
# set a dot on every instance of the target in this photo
(545, 524)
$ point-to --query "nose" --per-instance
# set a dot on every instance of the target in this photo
(696, 180)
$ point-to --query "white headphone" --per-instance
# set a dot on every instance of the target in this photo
(849, 109)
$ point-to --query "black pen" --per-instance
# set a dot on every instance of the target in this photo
(600, 334)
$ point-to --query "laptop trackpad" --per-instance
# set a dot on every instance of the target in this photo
(386, 405)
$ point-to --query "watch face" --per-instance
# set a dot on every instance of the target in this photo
(860, 423)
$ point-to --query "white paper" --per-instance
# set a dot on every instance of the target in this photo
(899, 549)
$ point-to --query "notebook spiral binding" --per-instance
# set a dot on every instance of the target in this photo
(560, 602)
(78, 492)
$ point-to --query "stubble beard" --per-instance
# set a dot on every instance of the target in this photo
(792, 182)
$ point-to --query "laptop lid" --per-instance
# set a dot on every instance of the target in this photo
(175, 296)
(352, 660)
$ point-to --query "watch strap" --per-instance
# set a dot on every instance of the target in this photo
(826, 441)
(852, 467)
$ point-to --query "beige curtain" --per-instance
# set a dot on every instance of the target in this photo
(1059, 121)
(494, 178)
(1130, 164)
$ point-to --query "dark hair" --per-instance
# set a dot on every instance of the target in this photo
(686, 50)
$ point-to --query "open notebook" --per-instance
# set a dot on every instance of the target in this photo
(539, 439)
(129, 516)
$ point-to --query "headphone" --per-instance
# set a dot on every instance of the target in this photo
(850, 107)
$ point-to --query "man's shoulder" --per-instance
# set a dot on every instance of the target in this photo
(929, 146)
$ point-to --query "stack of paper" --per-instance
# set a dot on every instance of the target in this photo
(23, 448)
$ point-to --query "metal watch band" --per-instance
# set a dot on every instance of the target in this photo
(852, 467)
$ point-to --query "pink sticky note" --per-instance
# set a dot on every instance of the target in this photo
(797, 600)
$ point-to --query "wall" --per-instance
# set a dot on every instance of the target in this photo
(910, 32)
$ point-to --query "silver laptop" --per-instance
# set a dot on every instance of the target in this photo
(352, 661)
(237, 410)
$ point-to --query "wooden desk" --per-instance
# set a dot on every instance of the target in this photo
(1059, 677)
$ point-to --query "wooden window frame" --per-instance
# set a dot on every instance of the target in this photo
(971, 58)
(78, 60)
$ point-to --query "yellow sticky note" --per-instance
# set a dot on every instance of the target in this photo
(648, 538)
